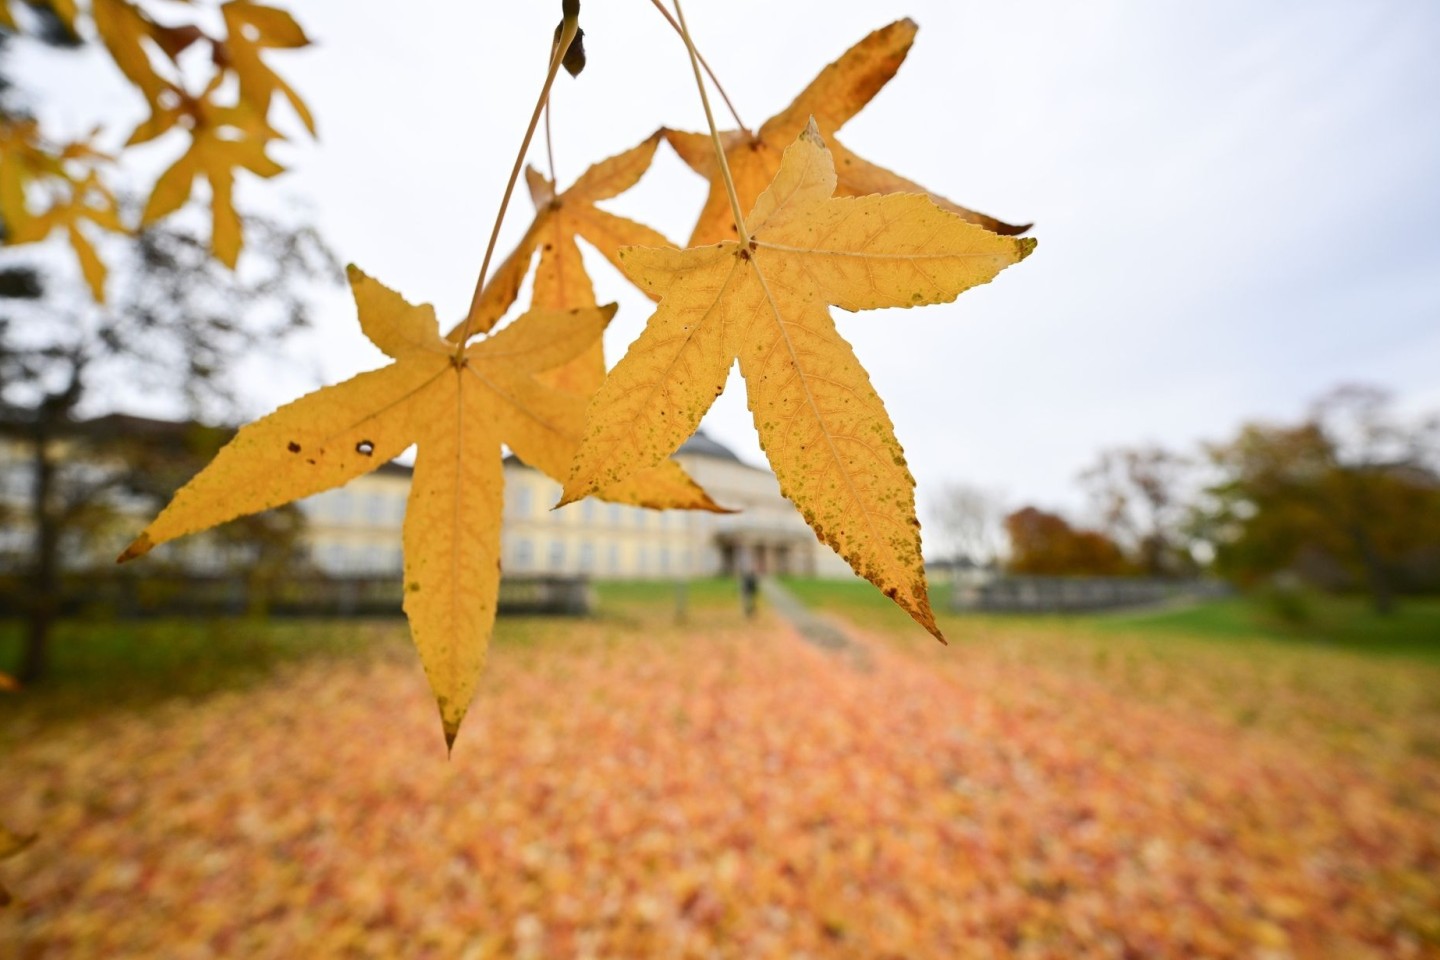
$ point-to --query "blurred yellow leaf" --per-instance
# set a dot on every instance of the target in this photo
(75, 190)
(65, 10)
(124, 28)
(214, 157)
(458, 411)
(823, 427)
(251, 28)
(832, 98)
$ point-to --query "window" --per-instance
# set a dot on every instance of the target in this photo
(375, 508)
(664, 559)
(615, 514)
(587, 557)
(640, 518)
(588, 510)
(342, 506)
(642, 564)
(612, 561)
(557, 555)
(522, 501)
(524, 555)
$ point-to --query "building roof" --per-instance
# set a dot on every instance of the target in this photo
(701, 445)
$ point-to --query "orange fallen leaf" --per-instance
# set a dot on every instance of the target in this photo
(11, 844)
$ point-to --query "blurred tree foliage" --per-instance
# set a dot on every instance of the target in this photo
(972, 520)
(217, 108)
(1142, 496)
(172, 329)
(1347, 499)
(173, 334)
(1045, 544)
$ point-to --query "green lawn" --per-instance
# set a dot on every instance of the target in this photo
(700, 594)
(124, 664)
(101, 665)
(1343, 623)
(1231, 657)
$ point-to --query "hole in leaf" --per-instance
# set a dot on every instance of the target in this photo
(365, 448)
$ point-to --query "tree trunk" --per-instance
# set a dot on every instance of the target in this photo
(43, 602)
(1382, 594)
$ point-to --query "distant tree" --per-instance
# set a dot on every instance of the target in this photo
(1141, 495)
(1045, 544)
(174, 329)
(1350, 496)
(971, 519)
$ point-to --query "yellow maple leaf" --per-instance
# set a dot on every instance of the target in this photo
(214, 155)
(458, 412)
(63, 9)
(836, 95)
(823, 427)
(77, 195)
(127, 31)
(11, 844)
(224, 137)
(561, 280)
(252, 28)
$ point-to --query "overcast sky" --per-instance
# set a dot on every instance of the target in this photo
(1236, 203)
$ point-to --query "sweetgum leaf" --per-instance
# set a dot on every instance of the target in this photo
(823, 427)
(458, 411)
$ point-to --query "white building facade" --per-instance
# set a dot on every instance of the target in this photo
(355, 531)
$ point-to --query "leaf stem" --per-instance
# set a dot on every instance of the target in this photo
(549, 139)
(719, 87)
(714, 132)
(549, 144)
(569, 26)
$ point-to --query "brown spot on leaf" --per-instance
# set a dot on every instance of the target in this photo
(293, 447)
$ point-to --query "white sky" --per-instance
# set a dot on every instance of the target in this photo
(1236, 203)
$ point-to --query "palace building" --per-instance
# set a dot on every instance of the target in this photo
(355, 530)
